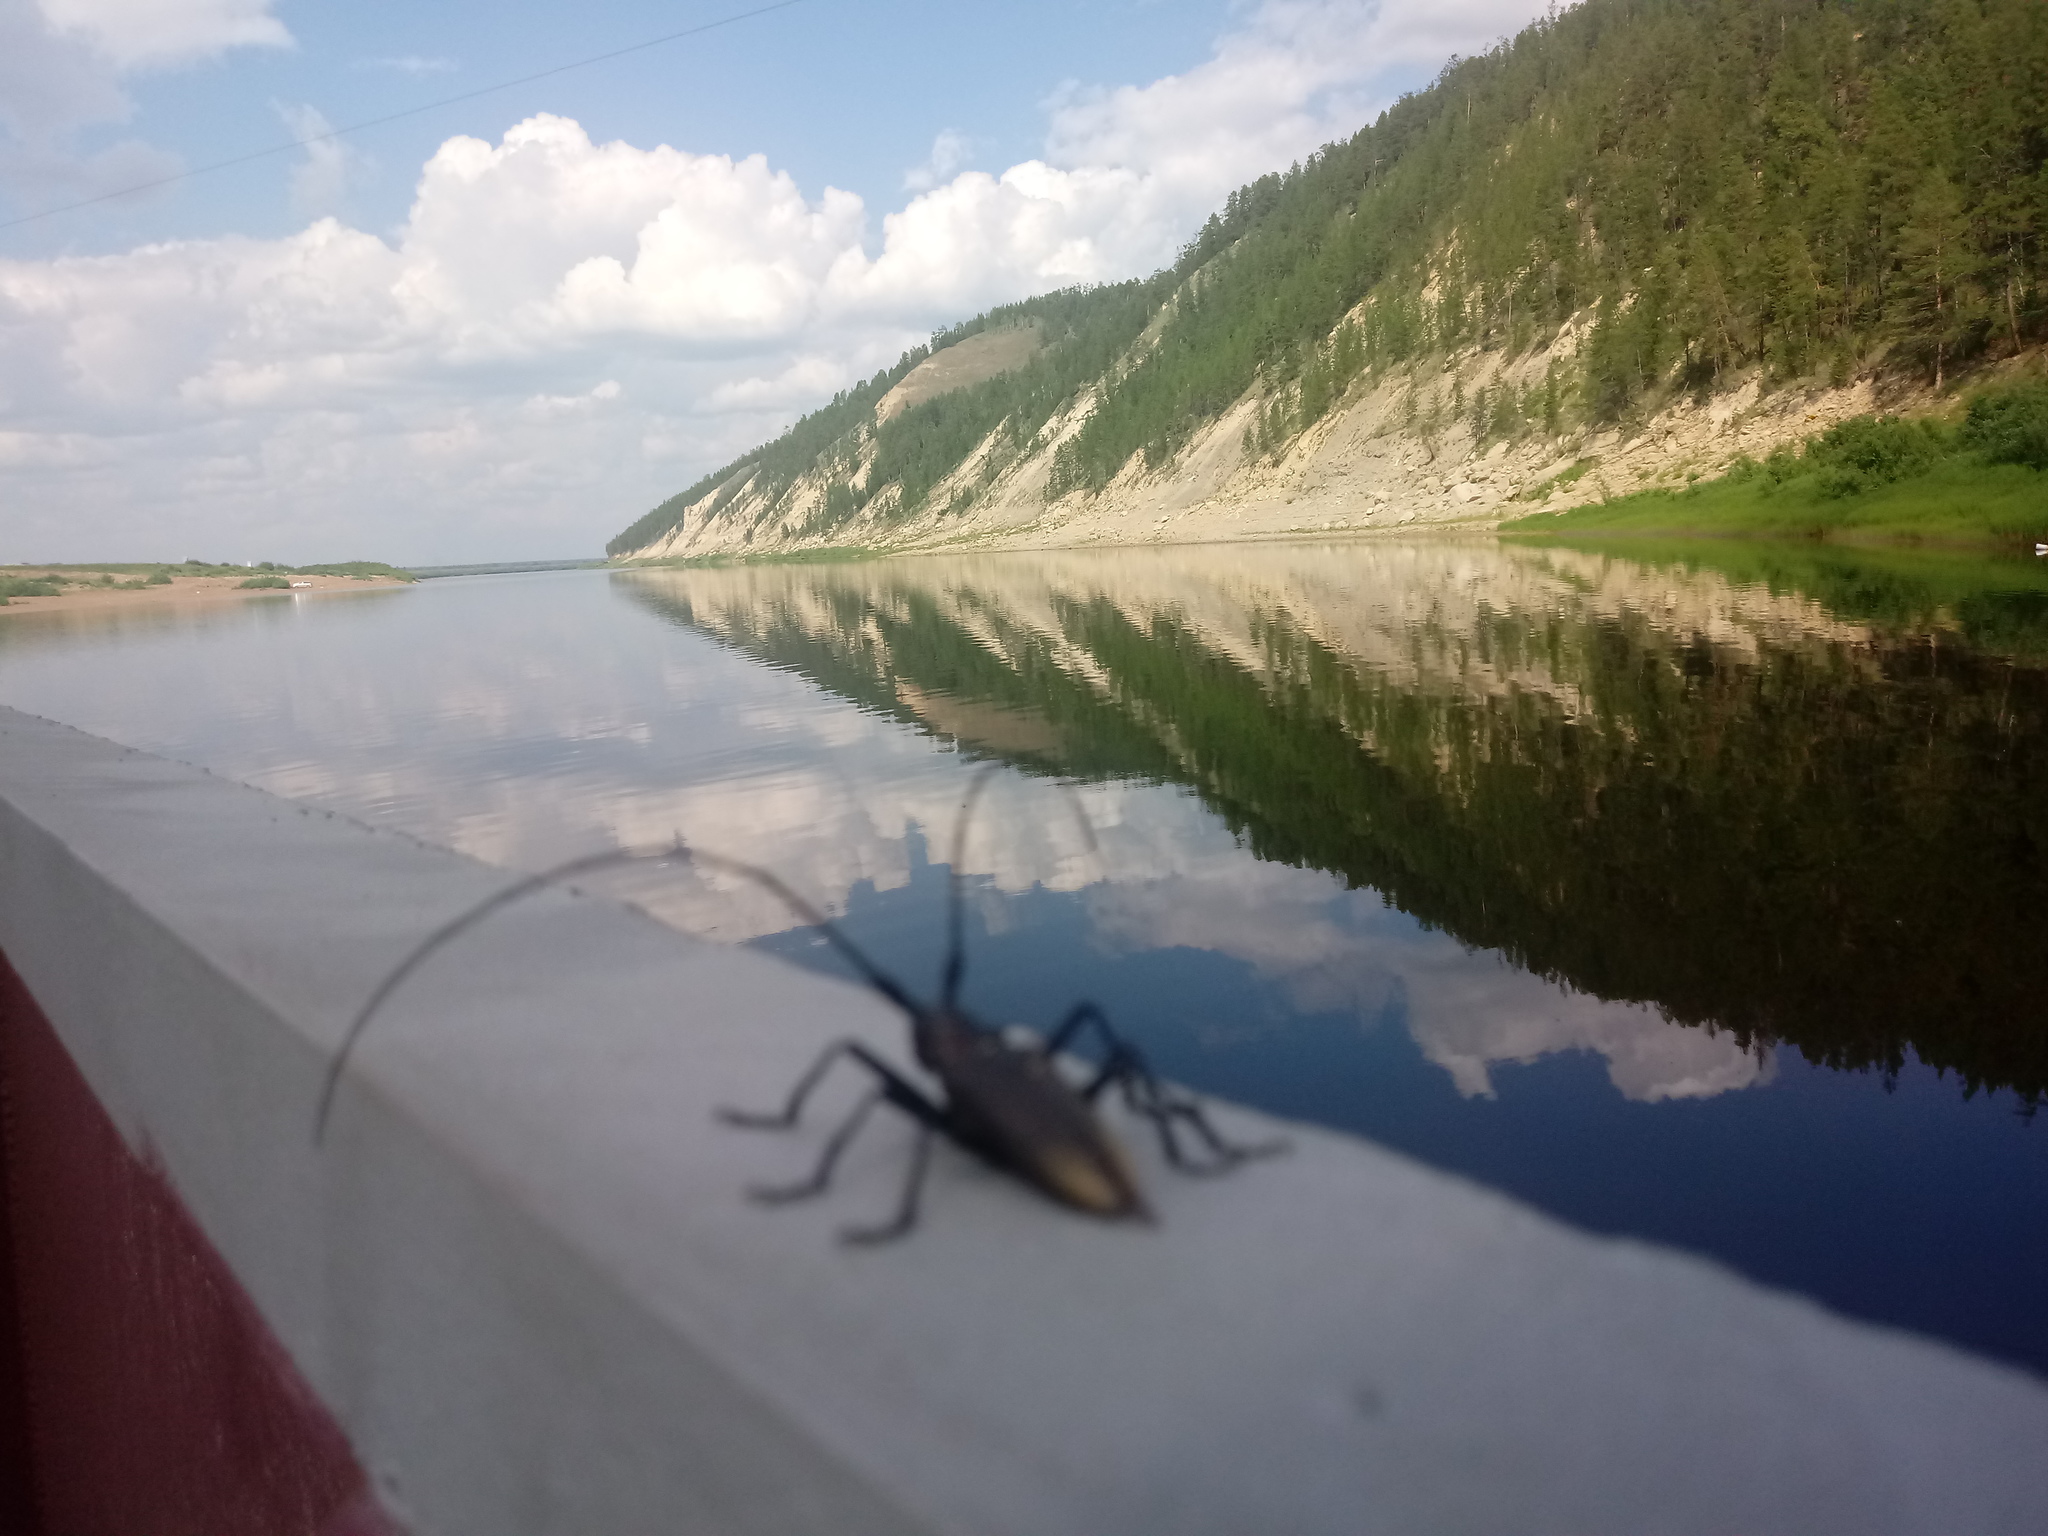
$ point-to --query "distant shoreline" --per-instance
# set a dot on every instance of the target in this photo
(504, 568)
(179, 591)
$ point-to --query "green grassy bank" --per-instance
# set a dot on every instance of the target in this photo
(1978, 481)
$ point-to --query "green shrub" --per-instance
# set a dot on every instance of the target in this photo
(2010, 426)
(362, 570)
(264, 581)
(1851, 457)
(23, 586)
(1780, 465)
(1865, 452)
(159, 579)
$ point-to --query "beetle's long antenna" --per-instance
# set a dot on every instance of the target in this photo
(956, 943)
(870, 972)
(875, 976)
(447, 931)
(1081, 819)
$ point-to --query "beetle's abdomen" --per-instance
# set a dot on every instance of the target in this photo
(1035, 1124)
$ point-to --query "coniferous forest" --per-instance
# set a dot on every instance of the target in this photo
(1784, 189)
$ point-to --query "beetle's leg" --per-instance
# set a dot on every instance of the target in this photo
(783, 1119)
(1223, 1152)
(1079, 1014)
(906, 1210)
(895, 1090)
(1164, 1109)
(777, 1194)
(1146, 1095)
(1142, 1095)
(1121, 1061)
(1124, 1066)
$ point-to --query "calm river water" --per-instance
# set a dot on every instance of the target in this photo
(1701, 900)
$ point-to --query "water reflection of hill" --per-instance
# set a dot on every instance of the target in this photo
(1655, 786)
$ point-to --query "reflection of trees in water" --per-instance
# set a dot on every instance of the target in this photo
(1833, 844)
(1840, 849)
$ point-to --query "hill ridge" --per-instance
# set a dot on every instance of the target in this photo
(1653, 234)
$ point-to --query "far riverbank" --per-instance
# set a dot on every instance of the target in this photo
(62, 589)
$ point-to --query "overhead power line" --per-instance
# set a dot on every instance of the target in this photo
(393, 117)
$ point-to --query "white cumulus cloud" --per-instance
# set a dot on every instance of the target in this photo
(320, 181)
(341, 392)
(950, 151)
(146, 33)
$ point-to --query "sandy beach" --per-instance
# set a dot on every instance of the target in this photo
(180, 591)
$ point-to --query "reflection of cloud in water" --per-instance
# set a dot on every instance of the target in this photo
(1471, 1013)
(829, 800)
(1282, 922)
(1337, 951)
(527, 725)
(827, 831)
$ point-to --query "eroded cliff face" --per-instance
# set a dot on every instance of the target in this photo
(1401, 451)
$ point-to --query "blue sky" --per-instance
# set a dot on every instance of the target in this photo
(504, 327)
(837, 92)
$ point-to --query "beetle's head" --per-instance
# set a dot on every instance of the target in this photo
(943, 1033)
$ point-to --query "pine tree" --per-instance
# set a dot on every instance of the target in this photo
(1938, 309)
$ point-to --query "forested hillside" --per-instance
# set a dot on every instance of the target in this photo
(1694, 191)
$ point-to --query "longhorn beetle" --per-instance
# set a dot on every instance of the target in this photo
(1005, 1099)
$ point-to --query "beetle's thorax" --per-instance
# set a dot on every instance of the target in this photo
(942, 1036)
(1009, 1104)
